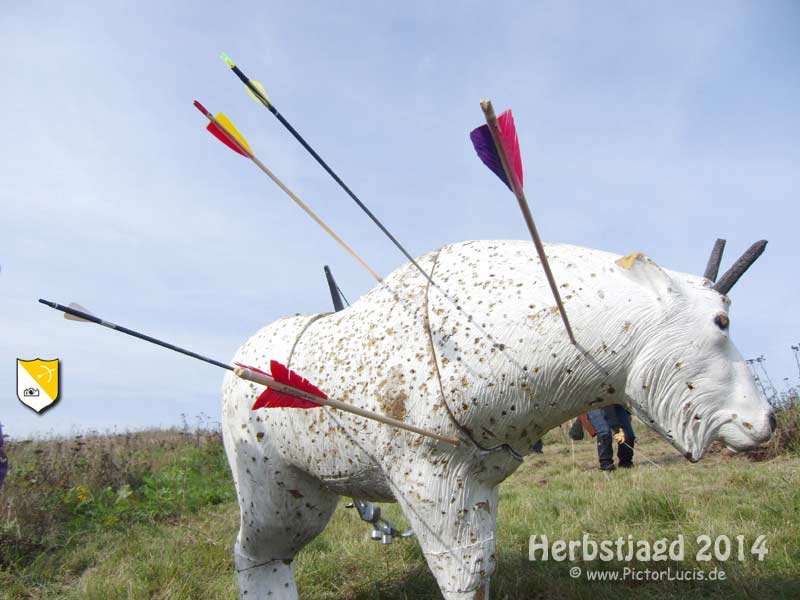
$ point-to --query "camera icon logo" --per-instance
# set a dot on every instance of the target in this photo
(38, 383)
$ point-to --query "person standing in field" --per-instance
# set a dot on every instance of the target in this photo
(612, 424)
(3, 459)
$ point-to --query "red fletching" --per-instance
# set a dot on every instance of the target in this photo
(274, 399)
(217, 133)
(508, 136)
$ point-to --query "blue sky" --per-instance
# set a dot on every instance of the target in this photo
(644, 127)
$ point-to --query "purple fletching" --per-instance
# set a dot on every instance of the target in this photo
(484, 145)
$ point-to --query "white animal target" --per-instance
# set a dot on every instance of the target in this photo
(482, 357)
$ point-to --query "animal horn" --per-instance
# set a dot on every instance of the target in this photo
(732, 275)
(712, 268)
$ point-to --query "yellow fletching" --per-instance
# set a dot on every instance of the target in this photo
(260, 88)
(226, 123)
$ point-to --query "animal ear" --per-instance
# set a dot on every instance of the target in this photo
(643, 270)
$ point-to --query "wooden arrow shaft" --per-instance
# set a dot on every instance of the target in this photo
(494, 129)
(315, 217)
(269, 382)
(289, 193)
(251, 375)
(290, 128)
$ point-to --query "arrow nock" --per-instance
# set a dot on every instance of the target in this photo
(227, 60)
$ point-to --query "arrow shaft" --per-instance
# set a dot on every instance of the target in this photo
(93, 319)
(269, 382)
(491, 121)
(537, 242)
(315, 217)
(328, 169)
(256, 92)
(347, 190)
(289, 192)
(249, 374)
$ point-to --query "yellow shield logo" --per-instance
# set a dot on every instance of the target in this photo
(37, 383)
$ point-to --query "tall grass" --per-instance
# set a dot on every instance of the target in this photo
(58, 489)
(786, 439)
(152, 514)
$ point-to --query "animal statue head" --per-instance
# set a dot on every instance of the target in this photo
(657, 341)
(687, 380)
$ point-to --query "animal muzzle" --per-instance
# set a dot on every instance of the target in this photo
(744, 432)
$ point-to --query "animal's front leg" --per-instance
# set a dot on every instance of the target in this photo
(272, 579)
(451, 503)
(281, 510)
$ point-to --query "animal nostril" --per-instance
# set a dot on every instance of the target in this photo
(773, 422)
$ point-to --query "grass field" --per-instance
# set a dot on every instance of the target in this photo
(152, 515)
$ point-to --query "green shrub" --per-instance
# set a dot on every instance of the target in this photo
(61, 488)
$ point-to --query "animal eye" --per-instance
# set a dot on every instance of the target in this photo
(722, 322)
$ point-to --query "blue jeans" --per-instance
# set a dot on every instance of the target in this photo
(611, 417)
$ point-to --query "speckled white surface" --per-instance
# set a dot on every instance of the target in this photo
(482, 356)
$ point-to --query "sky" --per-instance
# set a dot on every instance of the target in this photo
(644, 127)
